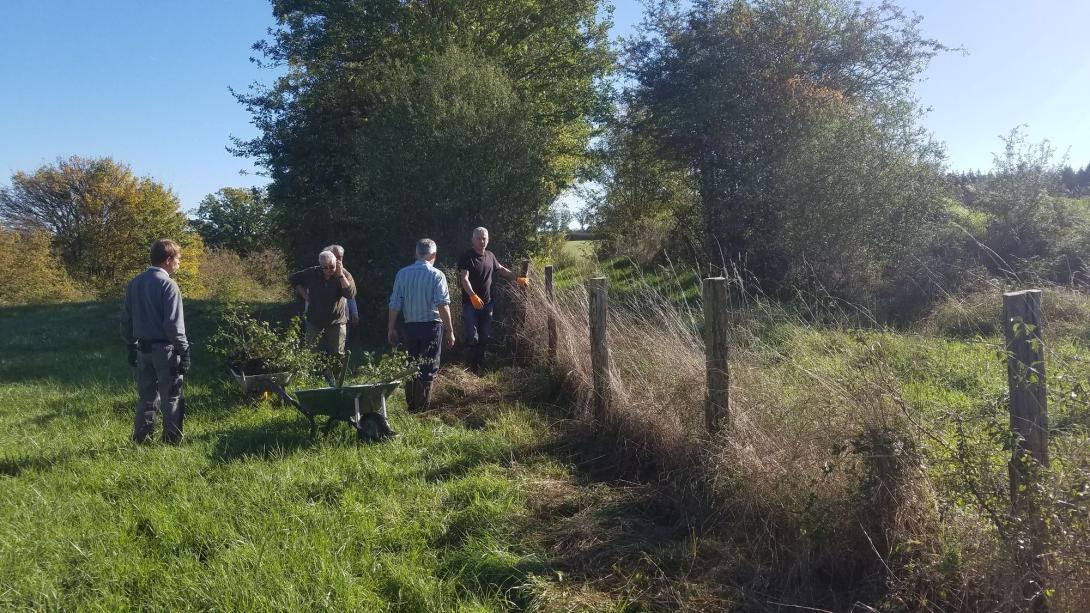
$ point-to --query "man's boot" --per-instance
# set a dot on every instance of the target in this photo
(418, 391)
(410, 396)
(424, 399)
(476, 359)
(384, 429)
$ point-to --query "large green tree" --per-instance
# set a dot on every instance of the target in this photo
(796, 120)
(649, 205)
(237, 219)
(100, 216)
(400, 119)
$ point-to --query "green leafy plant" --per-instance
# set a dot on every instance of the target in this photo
(251, 346)
(379, 368)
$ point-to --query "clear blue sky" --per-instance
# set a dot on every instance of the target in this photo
(146, 81)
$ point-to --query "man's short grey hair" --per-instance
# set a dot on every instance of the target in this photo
(326, 257)
(336, 250)
(425, 247)
(479, 231)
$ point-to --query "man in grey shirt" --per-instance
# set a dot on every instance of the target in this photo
(352, 309)
(153, 328)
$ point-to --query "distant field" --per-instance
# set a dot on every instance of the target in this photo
(580, 249)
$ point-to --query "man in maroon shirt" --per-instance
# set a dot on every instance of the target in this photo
(476, 268)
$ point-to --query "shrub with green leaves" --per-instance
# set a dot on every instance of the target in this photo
(252, 346)
(380, 368)
(29, 272)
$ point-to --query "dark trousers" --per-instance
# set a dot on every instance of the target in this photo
(477, 325)
(424, 340)
(476, 328)
(158, 389)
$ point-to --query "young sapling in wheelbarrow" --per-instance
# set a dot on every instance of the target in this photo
(258, 354)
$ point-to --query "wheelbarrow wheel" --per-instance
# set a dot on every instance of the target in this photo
(367, 431)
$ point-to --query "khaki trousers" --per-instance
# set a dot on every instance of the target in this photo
(331, 338)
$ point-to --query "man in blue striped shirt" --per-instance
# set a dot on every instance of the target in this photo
(421, 297)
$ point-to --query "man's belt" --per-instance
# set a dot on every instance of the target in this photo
(146, 344)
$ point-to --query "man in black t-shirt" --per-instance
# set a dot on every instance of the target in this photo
(476, 268)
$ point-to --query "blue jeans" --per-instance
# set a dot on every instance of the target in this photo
(477, 325)
(425, 340)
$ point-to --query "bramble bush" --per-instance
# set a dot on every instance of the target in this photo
(395, 365)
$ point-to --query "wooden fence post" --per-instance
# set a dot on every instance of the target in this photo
(599, 347)
(550, 295)
(717, 396)
(1029, 425)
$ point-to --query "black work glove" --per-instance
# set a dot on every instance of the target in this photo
(132, 355)
(183, 363)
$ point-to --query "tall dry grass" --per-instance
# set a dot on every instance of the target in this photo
(823, 484)
(656, 369)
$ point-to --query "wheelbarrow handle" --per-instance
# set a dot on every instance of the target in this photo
(280, 391)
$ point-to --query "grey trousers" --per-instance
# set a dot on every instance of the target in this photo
(158, 389)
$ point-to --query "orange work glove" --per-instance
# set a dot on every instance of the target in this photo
(523, 281)
(476, 301)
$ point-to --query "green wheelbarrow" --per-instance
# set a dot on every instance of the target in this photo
(361, 406)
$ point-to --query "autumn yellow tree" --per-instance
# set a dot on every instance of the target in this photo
(100, 217)
(29, 273)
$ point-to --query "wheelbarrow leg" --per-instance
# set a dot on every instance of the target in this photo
(328, 425)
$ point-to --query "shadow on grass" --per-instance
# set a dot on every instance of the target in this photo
(74, 408)
(488, 573)
(259, 442)
(14, 465)
(457, 468)
(77, 344)
(620, 525)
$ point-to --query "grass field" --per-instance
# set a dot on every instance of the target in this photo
(501, 501)
(250, 512)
